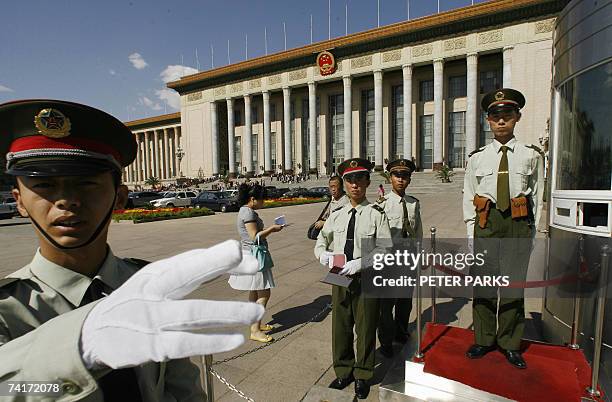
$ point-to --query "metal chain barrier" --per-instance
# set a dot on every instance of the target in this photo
(248, 352)
(208, 359)
(229, 385)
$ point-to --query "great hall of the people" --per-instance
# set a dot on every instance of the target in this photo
(411, 90)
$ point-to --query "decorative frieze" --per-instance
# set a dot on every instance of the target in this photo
(297, 75)
(362, 61)
(255, 83)
(545, 26)
(275, 79)
(237, 87)
(394, 55)
(490, 37)
(454, 44)
(423, 50)
(220, 91)
(194, 96)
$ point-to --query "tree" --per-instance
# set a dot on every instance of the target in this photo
(153, 182)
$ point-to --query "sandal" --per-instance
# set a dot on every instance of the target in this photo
(262, 339)
(266, 327)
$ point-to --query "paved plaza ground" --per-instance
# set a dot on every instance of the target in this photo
(289, 369)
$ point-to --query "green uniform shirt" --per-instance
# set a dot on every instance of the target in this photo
(525, 170)
(371, 231)
(392, 205)
(40, 327)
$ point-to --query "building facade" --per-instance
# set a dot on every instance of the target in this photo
(410, 89)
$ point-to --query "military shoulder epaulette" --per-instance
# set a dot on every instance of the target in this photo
(337, 209)
(535, 148)
(378, 208)
(138, 262)
(476, 151)
(414, 198)
(7, 281)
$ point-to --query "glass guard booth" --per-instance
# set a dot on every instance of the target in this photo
(580, 189)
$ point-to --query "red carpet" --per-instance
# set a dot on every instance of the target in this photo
(554, 373)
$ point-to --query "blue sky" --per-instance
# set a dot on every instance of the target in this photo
(117, 55)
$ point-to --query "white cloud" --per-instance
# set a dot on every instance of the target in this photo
(143, 100)
(170, 96)
(137, 61)
(112, 72)
(174, 72)
(5, 89)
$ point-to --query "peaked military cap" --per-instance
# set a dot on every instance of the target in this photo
(354, 165)
(507, 97)
(401, 165)
(43, 137)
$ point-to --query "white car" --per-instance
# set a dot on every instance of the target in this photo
(174, 199)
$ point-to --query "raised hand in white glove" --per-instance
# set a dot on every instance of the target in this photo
(351, 267)
(145, 319)
(325, 257)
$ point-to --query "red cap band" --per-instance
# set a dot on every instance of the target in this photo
(36, 142)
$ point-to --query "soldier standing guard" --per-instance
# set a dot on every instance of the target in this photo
(356, 230)
(403, 212)
(502, 200)
(92, 325)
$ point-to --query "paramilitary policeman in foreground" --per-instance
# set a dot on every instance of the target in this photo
(502, 201)
(356, 230)
(98, 326)
(403, 212)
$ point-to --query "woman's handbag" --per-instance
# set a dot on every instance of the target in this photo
(313, 232)
(262, 254)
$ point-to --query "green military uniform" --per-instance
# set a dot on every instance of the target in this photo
(42, 309)
(522, 167)
(43, 306)
(350, 308)
(404, 214)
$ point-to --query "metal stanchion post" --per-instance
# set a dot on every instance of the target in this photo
(208, 377)
(417, 353)
(433, 273)
(601, 305)
(577, 301)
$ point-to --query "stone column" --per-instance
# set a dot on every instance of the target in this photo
(378, 121)
(312, 126)
(407, 112)
(507, 55)
(287, 157)
(231, 148)
(177, 168)
(247, 137)
(266, 127)
(166, 165)
(214, 134)
(471, 114)
(137, 161)
(438, 113)
(147, 172)
(348, 119)
(155, 157)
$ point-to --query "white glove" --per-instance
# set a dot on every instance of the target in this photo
(145, 319)
(325, 257)
(351, 267)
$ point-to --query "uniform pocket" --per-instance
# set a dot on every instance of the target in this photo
(485, 179)
(521, 178)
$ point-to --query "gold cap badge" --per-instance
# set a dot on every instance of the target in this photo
(52, 123)
(499, 95)
(353, 163)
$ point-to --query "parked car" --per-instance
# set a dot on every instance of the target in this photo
(302, 192)
(6, 212)
(142, 198)
(275, 192)
(175, 199)
(319, 191)
(216, 201)
(11, 202)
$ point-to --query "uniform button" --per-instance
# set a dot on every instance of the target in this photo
(70, 387)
